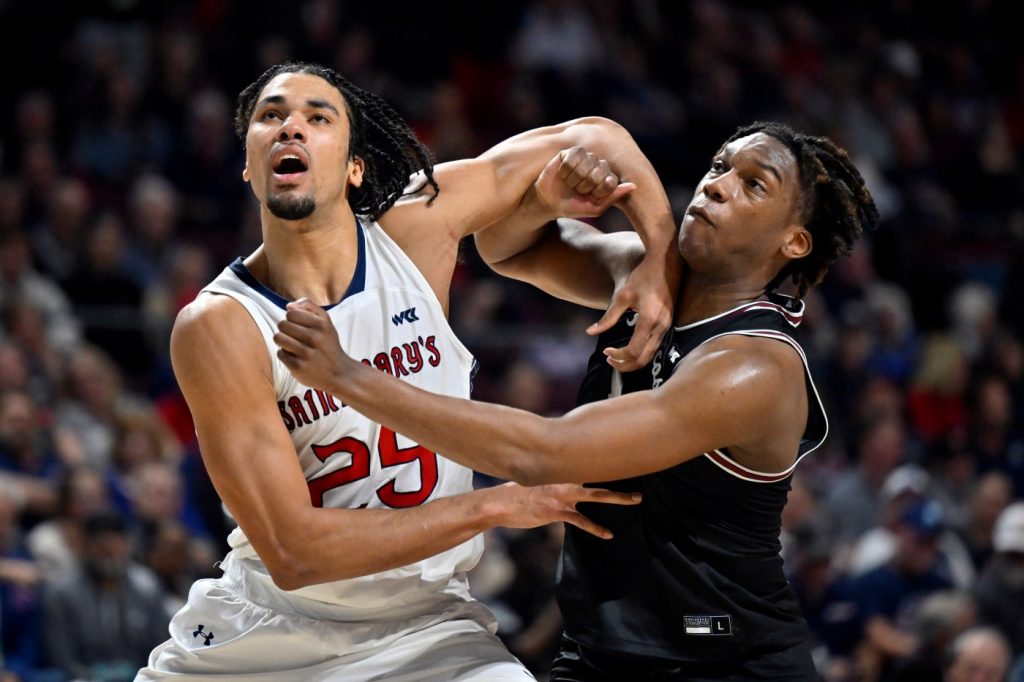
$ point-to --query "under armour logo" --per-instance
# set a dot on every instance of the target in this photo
(404, 316)
(198, 632)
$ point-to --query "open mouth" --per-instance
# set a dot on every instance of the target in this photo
(290, 165)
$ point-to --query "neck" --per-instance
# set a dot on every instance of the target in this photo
(312, 258)
(702, 297)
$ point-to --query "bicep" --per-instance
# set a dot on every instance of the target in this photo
(222, 367)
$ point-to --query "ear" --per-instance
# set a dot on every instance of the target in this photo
(797, 243)
(356, 166)
(245, 173)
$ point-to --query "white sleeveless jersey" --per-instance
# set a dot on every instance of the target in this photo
(390, 319)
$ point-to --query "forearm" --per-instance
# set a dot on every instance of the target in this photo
(336, 544)
(576, 262)
(494, 439)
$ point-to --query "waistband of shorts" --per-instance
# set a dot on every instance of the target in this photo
(257, 587)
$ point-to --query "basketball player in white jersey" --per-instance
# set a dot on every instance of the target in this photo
(353, 542)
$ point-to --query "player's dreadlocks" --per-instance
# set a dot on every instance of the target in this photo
(837, 207)
(390, 151)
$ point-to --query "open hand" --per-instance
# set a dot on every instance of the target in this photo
(529, 507)
(649, 291)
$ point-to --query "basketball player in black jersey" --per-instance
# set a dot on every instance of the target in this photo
(691, 587)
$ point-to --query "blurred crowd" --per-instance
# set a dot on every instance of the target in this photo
(121, 196)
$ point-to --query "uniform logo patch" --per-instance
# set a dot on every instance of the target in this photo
(707, 625)
(404, 316)
(207, 636)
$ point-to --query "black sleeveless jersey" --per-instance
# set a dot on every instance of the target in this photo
(693, 572)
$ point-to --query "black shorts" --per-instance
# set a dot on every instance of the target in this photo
(576, 663)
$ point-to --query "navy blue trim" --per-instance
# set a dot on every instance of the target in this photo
(357, 284)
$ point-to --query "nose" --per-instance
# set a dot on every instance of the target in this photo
(714, 188)
(291, 129)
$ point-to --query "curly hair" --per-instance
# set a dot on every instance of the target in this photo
(837, 206)
(390, 150)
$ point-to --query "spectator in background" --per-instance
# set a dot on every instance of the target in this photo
(1000, 589)
(995, 438)
(890, 594)
(941, 617)
(853, 499)
(101, 621)
(20, 282)
(27, 465)
(19, 596)
(935, 401)
(991, 494)
(58, 240)
(978, 655)
(57, 544)
(108, 299)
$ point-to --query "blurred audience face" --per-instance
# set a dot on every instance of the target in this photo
(17, 421)
(94, 379)
(107, 553)
(994, 409)
(992, 493)
(87, 494)
(169, 552)
(14, 257)
(882, 448)
(979, 656)
(157, 492)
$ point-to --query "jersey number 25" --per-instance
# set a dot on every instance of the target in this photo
(390, 455)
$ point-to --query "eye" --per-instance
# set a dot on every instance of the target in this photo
(717, 166)
(269, 114)
(757, 183)
(319, 118)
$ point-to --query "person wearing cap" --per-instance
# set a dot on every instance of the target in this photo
(999, 591)
(888, 594)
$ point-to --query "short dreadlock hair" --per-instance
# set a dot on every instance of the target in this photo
(390, 151)
(837, 206)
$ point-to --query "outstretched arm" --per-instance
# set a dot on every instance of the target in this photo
(221, 363)
(724, 394)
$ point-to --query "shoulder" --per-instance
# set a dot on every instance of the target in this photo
(215, 330)
(211, 316)
(747, 360)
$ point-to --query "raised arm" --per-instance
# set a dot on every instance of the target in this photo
(483, 193)
(724, 394)
(221, 363)
(578, 263)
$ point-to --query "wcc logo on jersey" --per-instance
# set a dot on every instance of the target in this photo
(405, 316)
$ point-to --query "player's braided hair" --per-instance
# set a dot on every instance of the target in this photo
(837, 206)
(390, 150)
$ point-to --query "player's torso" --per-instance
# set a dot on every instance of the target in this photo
(389, 319)
(694, 572)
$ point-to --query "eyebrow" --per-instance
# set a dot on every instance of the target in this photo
(314, 103)
(771, 169)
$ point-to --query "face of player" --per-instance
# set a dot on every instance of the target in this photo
(745, 213)
(297, 146)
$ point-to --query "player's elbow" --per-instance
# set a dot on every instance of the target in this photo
(287, 560)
